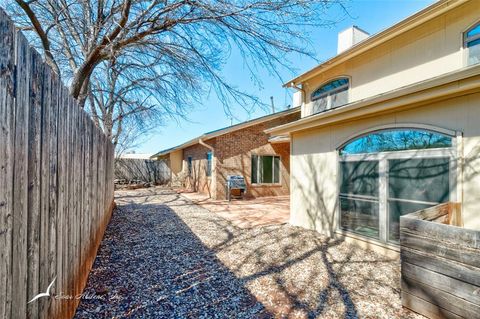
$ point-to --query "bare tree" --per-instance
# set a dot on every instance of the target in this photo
(170, 52)
(121, 109)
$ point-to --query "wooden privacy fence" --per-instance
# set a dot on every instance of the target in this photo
(134, 169)
(440, 263)
(56, 185)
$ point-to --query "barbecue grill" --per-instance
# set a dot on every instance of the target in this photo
(235, 183)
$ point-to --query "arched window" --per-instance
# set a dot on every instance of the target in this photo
(396, 140)
(331, 95)
(471, 42)
(389, 173)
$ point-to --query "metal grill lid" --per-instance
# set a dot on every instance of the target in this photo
(236, 181)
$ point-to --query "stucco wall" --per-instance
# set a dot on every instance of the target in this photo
(429, 50)
(198, 181)
(314, 160)
(176, 161)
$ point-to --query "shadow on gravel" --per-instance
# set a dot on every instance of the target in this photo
(151, 265)
(165, 257)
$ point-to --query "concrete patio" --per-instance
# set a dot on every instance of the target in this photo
(246, 213)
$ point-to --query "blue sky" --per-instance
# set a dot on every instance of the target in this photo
(370, 15)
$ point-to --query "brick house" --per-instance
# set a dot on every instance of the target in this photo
(203, 163)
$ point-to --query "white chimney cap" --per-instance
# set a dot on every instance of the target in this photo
(349, 37)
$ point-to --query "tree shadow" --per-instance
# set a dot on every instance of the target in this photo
(194, 263)
(150, 264)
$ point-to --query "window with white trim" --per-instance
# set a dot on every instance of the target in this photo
(330, 95)
(208, 169)
(390, 173)
(471, 42)
(265, 169)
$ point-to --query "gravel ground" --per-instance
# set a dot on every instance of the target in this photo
(164, 257)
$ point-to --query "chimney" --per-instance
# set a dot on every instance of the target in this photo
(349, 37)
(297, 98)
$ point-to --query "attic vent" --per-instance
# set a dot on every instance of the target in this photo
(350, 37)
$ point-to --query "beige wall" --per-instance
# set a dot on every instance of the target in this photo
(198, 180)
(314, 160)
(176, 161)
(430, 50)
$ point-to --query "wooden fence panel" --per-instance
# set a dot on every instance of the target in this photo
(7, 109)
(440, 268)
(20, 180)
(56, 185)
(144, 170)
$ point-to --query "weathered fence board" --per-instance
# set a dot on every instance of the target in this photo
(56, 185)
(440, 267)
(20, 180)
(7, 69)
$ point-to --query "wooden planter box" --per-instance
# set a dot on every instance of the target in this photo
(440, 264)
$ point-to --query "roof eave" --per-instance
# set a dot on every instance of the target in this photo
(405, 25)
(449, 84)
(226, 130)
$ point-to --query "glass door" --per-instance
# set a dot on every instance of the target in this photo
(359, 197)
(415, 184)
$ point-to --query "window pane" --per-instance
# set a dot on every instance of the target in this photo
(329, 87)
(276, 169)
(425, 179)
(209, 164)
(359, 178)
(474, 31)
(320, 105)
(473, 52)
(189, 165)
(360, 216)
(267, 169)
(254, 169)
(396, 140)
(397, 209)
(339, 98)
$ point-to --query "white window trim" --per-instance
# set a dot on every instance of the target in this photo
(464, 39)
(273, 172)
(382, 158)
(328, 94)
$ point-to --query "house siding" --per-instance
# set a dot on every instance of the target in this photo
(314, 202)
(198, 180)
(429, 50)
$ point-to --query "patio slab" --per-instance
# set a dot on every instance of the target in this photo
(246, 213)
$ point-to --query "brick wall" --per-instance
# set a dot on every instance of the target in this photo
(233, 153)
(232, 156)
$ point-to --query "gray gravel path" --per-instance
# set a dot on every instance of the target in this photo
(164, 257)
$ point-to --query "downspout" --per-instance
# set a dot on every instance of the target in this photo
(459, 209)
(302, 106)
(214, 167)
(210, 147)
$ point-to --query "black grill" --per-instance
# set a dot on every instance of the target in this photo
(235, 182)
